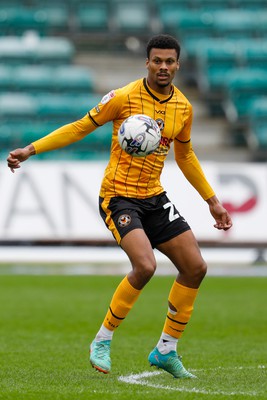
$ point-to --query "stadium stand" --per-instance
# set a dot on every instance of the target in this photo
(257, 132)
(224, 57)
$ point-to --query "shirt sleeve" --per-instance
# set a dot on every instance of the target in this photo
(65, 135)
(188, 161)
(185, 134)
(108, 109)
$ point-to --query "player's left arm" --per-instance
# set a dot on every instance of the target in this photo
(192, 170)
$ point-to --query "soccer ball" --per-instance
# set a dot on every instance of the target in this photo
(139, 135)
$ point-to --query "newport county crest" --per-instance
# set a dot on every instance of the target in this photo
(124, 220)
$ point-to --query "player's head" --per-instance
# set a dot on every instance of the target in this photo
(162, 62)
(163, 41)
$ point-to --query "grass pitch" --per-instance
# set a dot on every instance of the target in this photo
(47, 323)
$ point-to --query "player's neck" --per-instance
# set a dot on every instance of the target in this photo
(164, 90)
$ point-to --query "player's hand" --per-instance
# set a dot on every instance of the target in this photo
(220, 214)
(17, 156)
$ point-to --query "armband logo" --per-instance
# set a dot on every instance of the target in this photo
(108, 97)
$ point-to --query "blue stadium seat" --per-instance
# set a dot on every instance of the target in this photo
(192, 24)
(93, 17)
(31, 49)
(210, 5)
(214, 59)
(14, 51)
(250, 4)
(45, 78)
(257, 129)
(54, 50)
(6, 78)
(242, 86)
(73, 79)
(16, 20)
(236, 23)
(17, 106)
(255, 54)
(63, 108)
(131, 17)
(33, 78)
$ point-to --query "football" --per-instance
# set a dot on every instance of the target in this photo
(139, 135)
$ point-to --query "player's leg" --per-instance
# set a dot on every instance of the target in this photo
(139, 251)
(138, 248)
(184, 252)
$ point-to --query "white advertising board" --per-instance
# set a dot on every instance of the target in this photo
(59, 201)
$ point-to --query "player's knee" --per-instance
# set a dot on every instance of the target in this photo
(145, 269)
(199, 271)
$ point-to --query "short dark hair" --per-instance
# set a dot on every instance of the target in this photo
(163, 41)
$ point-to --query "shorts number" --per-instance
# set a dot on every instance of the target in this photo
(172, 216)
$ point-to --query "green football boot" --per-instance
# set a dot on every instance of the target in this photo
(170, 362)
(100, 356)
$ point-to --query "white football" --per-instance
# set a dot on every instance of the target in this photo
(139, 135)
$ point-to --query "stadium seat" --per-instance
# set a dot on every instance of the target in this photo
(93, 17)
(14, 51)
(236, 23)
(250, 4)
(43, 78)
(31, 48)
(17, 106)
(257, 117)
(255, 54)
(214, 60)
(210, 5)
(192, 24)
(131, 17)
(54, 50)
(33, 78)
(56, 17)
(73, 79)
(257, 129)
(242, 86)
(64, 108)
(15, 21)
(6, 78)
(19, 133)
(176, 4)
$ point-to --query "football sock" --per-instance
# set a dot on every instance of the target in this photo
(182, 299)
(122, 301)
(166, 343)
(104, 334)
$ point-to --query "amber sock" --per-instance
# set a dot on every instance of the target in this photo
(182, 299)
(122, 301)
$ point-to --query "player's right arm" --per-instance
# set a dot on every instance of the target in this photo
(106, 110)
(61, 137)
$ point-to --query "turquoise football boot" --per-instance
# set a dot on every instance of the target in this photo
(170, 362)
(100, 356)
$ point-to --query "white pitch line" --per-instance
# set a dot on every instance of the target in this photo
(139, 379)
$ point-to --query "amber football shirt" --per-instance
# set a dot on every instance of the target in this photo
(138, 177)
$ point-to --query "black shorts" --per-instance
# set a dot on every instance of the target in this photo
(156, 215)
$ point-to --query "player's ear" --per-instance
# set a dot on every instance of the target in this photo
(147, 62)
(178, 65)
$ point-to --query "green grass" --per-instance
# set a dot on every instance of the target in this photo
(47, 322)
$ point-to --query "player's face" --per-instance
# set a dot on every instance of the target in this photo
(162, 66)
